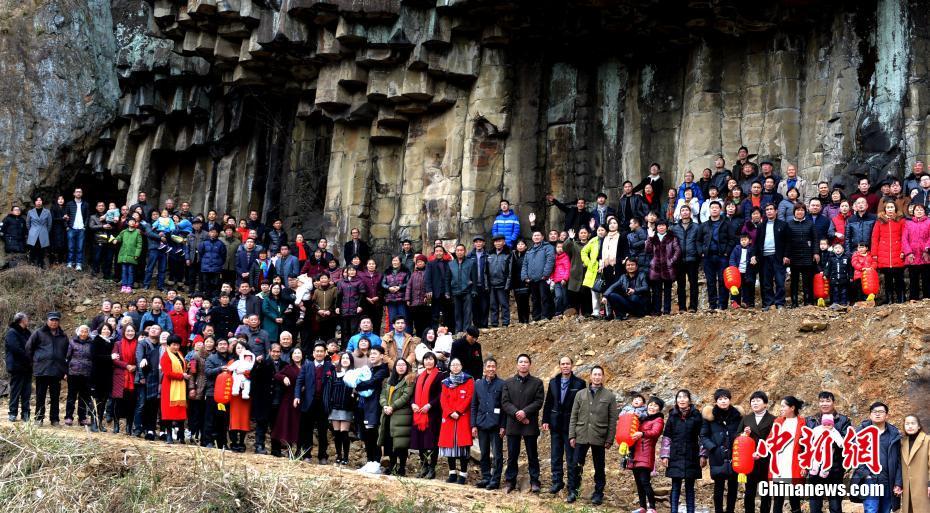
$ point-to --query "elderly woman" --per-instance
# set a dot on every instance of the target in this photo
(80, 365)
(124, 373)
(101, 348)
(173, 391)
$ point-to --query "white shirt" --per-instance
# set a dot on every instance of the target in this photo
(78, 218)
(786, 457)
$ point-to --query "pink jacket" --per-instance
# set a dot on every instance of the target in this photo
(916, 241)
(562, 269)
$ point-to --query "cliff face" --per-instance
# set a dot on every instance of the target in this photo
(414, 118)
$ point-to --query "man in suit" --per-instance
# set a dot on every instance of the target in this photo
(557, 411)
(757, 424)
(355, 247)
(310, 393)
(770, 253)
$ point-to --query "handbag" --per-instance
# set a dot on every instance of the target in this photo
(599, 285)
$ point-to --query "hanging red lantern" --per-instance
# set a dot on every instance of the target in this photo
(743, 449)
(627, 426)
(870, 283)
(821, 289)
(732, 279)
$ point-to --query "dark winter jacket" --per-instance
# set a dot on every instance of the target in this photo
(415, 293)
(395, 278)
(48, 351)
(499, 271)
(516, 270)
(714, 239)
(717, 435)
(273, 241)
(781, 235)
(557, 412)
(349, 296)
(14, 233)
(486, 404)
(462, 277)
(838, 268)
(212, 255)
(639, 283)
(148, 378)
(688, 240)
(636, 246)
(212, 369)
(18, 360)
(437, 278)
(339, 396)
(574, 219)
(682, 444)
(889, 455)
(859, 229)
(244, 259)
(841, 423)
(71, 208)
(526, 394)
(802, 242)
(369, 409)
(353, 248)
(80, 357)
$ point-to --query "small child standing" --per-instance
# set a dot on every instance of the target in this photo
(861, 261)
(836, 269)
(741, 257)
(637, 407)
(825, 251)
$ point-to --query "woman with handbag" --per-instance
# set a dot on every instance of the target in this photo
(593, 280)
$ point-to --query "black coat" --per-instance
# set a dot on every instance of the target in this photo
(516, 266)
(688, 240)
(266, 392)
(339, 397)
(684, 449)
(719, 431)
(486, 412)
(101, 353)
(437, 274)
(225, 319)
(469, 354)
(627, 209)
(17, 359)
(802, 242)
(558, 413)
(48, 352)
(841, 423)
(349, 250)
(781, 239)
(573, 218)
(305, 388)
(14, 233)
(522, 394)
(715, 245)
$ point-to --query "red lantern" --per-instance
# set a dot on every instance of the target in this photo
(743, 449)
(222, 390)
(732, 280)
(870, 283)
(627, 426)
(821, 289)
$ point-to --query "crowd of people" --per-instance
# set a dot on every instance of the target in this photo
(132, 372)
(255, 330)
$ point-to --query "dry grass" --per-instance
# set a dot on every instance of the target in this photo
(43, 471)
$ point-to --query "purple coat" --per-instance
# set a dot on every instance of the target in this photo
(372, 283)
(665, 256)
(80, 359)
(916, 240)
(394, 278)
(350, 295)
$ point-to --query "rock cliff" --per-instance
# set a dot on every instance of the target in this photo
(413, 118)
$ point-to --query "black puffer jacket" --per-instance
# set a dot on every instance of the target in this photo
(688, 240)
(717, 434)
(682, 444)
(49, 352)
(17, 359)
(14, 233)
(802, 242)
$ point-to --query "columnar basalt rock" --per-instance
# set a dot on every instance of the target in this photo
(413, 118)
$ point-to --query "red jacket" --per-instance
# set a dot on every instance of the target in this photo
(886, 242)
(182, 326)
(860, 263)
(562, 268)
(839, 228)
(456, 433)
(644, 450)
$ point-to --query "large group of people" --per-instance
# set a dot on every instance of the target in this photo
(255, 329)
(126, 373)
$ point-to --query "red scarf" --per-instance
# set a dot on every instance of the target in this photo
(301, 253)
(649, 198)
(421, 397)
(756, 200)
(128, 355)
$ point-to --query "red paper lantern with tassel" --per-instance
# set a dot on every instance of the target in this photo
(743, 449)
(222, 390)
(821, 289)
(732, 279)
(627, 426)
(870, 283)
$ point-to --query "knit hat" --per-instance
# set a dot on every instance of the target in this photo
(420, 258)
(827, 420)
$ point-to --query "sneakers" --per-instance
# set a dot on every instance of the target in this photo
(372, 467)
(78, 267)
(734, 305)
(69, 266)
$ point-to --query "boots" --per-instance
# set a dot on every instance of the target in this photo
(430, 472)
(115, 427)
(169, 437)
(424, 467)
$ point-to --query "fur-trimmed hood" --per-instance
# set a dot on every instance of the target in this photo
(708, 412)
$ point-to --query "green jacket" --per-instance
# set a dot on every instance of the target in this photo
(130, 246)
(232, 245)
(590, 255)
(594, 417)
(401, 420)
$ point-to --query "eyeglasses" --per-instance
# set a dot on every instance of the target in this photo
(879, 412)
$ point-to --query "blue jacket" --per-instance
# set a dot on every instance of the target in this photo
(244, 259)
(821, 225)
(287, 267)
(695, 189)
(737, 252)
(636, 242)
(538, 262)
(163, 320)
(305, 388)
(369, 411)
(462, 277)
(486, 404)
(507, 225)
(212, 255)
(152, 238)
(371, 336)
(859, 229)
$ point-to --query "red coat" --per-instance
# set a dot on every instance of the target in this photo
(795, 472)
(456, 433)
(839, 228)
(123, 380)
(644, 450)
(169, 412)
(182, 326)
(886, 242)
